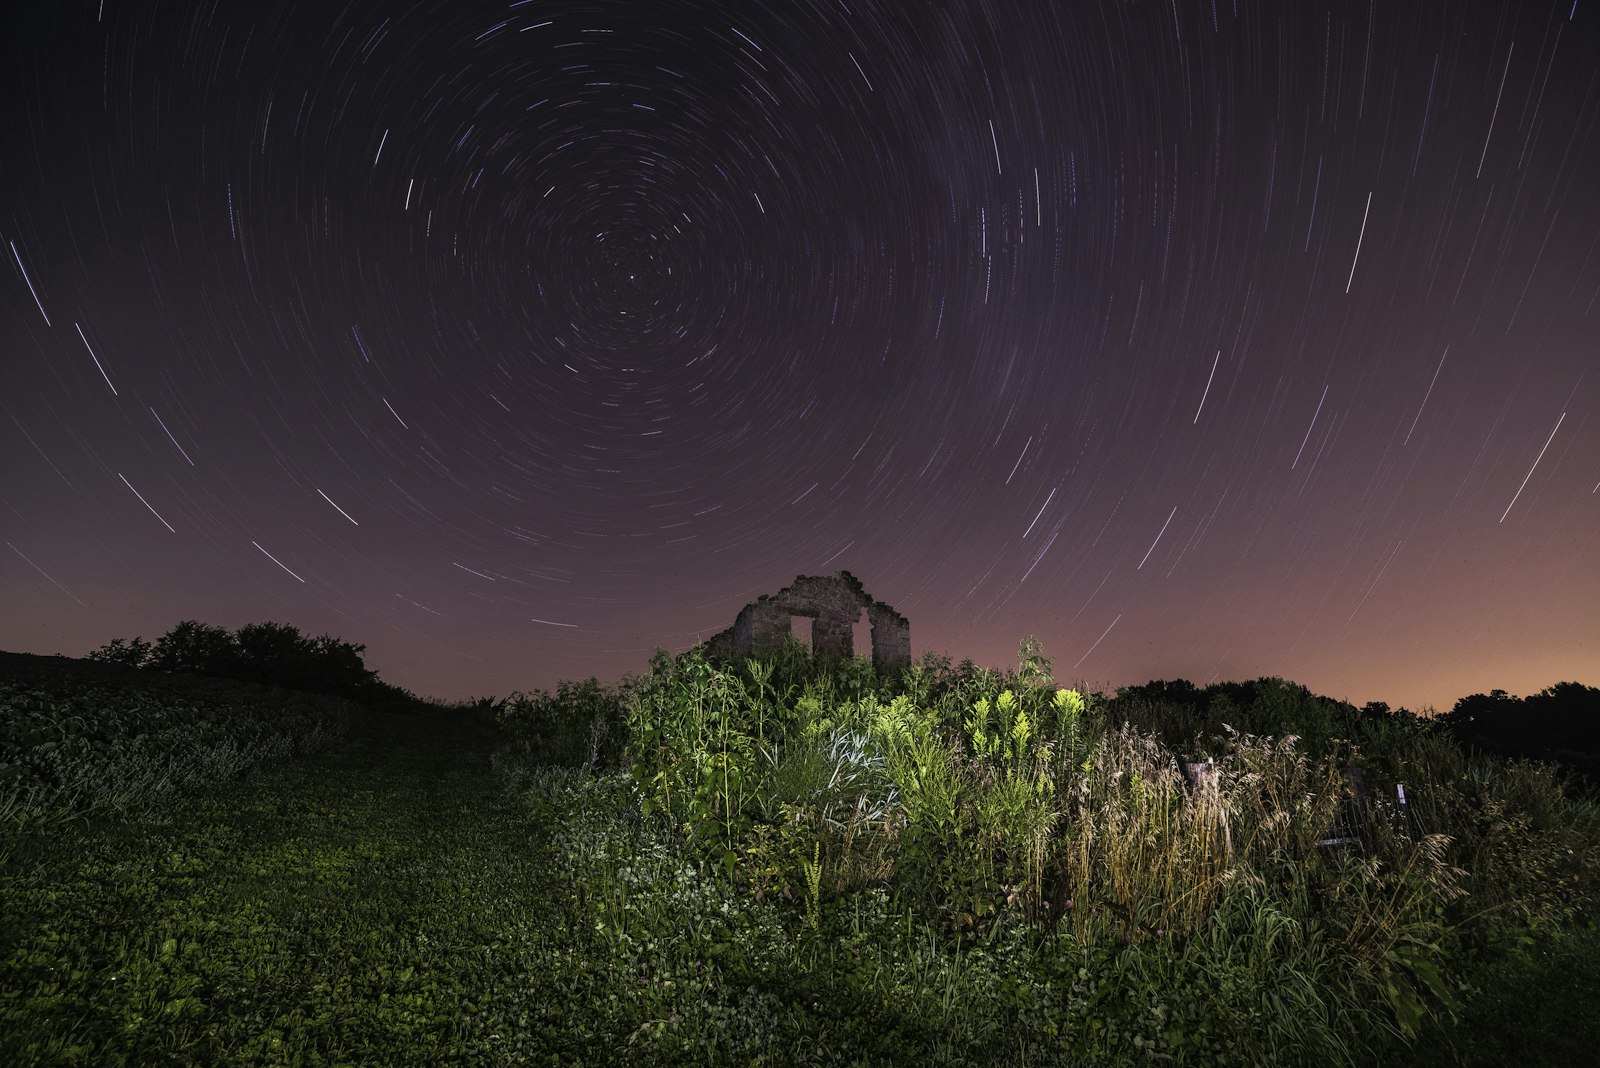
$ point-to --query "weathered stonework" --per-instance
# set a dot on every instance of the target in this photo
(834, 603)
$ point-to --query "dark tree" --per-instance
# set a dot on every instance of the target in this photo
(1560, 723)
(195, 648)
(1566, 716)
(279, 654)
(274, 654)
(1485, 719)
(122, 651)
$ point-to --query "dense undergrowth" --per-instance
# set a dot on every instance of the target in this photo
(1190, 877)
(782, 862)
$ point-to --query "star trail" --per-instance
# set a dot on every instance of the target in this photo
(514, 340)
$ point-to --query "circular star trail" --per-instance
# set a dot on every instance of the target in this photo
(515, 340)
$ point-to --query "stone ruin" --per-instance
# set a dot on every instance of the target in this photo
(834, 603)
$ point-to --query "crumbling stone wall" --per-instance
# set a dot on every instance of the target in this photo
(834, 603)
(891, 636)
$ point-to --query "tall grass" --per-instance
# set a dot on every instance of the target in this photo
(1211, 841)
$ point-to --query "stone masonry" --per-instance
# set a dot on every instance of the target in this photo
(834, 603)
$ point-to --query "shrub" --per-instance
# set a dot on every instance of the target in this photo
(581, 724)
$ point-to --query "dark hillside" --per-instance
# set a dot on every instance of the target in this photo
(65, 672)
(80, 738)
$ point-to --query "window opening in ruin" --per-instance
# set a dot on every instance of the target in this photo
(800, 627)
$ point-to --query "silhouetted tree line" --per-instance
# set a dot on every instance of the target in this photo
(1560, 723)
(1189, 718)
(274, 654)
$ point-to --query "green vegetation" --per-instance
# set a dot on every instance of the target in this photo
(789, 862)
(364, 906)
(79, 740)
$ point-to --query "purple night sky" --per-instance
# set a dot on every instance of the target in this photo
(1206, 340)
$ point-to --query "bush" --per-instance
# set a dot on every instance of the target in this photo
(580, 725)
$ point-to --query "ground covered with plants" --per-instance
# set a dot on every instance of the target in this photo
(80, 739)
(783, 862)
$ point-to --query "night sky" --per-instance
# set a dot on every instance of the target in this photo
(1205, 340)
